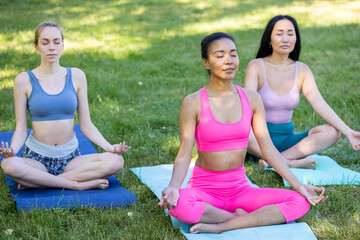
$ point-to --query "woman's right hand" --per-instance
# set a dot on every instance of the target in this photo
(170, 196)
(6, 151)
(311, 194)
(354, 139)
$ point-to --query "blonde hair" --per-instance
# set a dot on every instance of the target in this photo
(42, 26)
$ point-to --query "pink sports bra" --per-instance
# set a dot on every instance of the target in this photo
(214, 136)
(279, 109)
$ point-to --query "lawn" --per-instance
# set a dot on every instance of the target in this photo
(141, 58)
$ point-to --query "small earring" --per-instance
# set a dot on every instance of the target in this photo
(269, 45)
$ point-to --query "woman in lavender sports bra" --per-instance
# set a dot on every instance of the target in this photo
(219, 117)
(279, 79)
(52, 94)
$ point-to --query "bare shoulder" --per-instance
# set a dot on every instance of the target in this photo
(77, 73)
(305, 76)
(192, 100)
(254, 65)
(78, 78)
(193, 97)
(251, 94)
(254, 98)
(22, 81)
(191, 104)
(22, 77)
(253, 75)
(303, 68)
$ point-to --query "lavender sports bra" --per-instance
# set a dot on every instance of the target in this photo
(279, 109)
(214, 136)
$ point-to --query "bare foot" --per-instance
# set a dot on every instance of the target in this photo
(240, 212)
(22, 187)
(205, 228)
(263, 164)
(308, 163)
(93, 184)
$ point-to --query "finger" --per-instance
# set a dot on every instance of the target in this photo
(124, 149)
(324, 200)
(319, 199)
(8, 151)
(3, 148)
(357, 148)
(166, 204)
(310, 200)
(161, 203)
(322, 191)
(317, 189)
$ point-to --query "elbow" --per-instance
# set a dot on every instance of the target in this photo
(21, 130)
(85, 125)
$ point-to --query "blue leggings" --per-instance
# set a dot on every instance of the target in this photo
(283, 135)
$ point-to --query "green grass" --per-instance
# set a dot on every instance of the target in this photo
(141, 59)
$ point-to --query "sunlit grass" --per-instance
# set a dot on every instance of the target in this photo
(308, 13)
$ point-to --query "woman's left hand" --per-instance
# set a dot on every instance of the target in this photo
(354, 139)
(310, 193)
(120, 148)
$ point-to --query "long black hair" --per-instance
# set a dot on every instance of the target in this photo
(265, 49)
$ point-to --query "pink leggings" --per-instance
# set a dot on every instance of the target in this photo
(230, 190)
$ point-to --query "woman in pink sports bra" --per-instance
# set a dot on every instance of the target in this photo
(279, 78)
(219, 117)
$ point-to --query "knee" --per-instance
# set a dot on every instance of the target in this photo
(333, 133)
(115, 162)
(296, 207)
(10, 166)
(186, 213)
(302, 204)
(188, 210)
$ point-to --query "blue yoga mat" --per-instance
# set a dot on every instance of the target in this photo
(114, 196)
(327, 172)
(158, 177)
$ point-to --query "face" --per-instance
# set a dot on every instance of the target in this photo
(50, 44)
(283, 37)
(223, 60)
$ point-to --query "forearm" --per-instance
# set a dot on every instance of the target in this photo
(277, 161)
(18, 139)
(93, 134)
(180, 169)
(329, 115)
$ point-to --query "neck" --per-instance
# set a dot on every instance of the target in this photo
(220, 86)
(278, 59)
(49, 68)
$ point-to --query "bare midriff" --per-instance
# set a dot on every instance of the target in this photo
(221, 161)
(53, 133)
